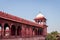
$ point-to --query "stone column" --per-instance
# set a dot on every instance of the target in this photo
(10, 30)
(30, 33)
(23, 31)
(2, 30)
(33, 33)
(27, 32)
(37, 31)
(16, 32)
(45, 31)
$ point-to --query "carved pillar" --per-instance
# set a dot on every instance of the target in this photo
(23, 31)
(0, 32)
(10, 30)
(26, 32)
(16, 31)
(45, 31)
(30, 32)
(37, 31)
(33, 33)
(2, 29)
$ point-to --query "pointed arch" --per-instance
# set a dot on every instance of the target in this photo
(13, 30)
(35, 31)
(19, 30)
(6, 28)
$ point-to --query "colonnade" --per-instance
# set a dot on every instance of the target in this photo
(22, 30)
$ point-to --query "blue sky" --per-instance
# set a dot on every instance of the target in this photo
(28, 9)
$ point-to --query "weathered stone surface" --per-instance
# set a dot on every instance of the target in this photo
(30, 38)
(15, 28)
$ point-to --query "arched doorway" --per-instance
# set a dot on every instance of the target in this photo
(0, 30)
(13, 30)
(35, 31)
(19, 30)
(40, 31)
(6, 29)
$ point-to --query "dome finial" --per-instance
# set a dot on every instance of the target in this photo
(40, 12)
(39, 15)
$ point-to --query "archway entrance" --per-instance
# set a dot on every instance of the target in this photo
(19, 30)
(35, 31)
(40, 31)
(13, 30)
(6, 29)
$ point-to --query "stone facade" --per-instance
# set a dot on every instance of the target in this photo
(12, 27)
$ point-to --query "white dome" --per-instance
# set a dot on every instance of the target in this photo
(39, 15)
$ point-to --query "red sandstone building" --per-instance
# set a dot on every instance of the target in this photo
(14, 27)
